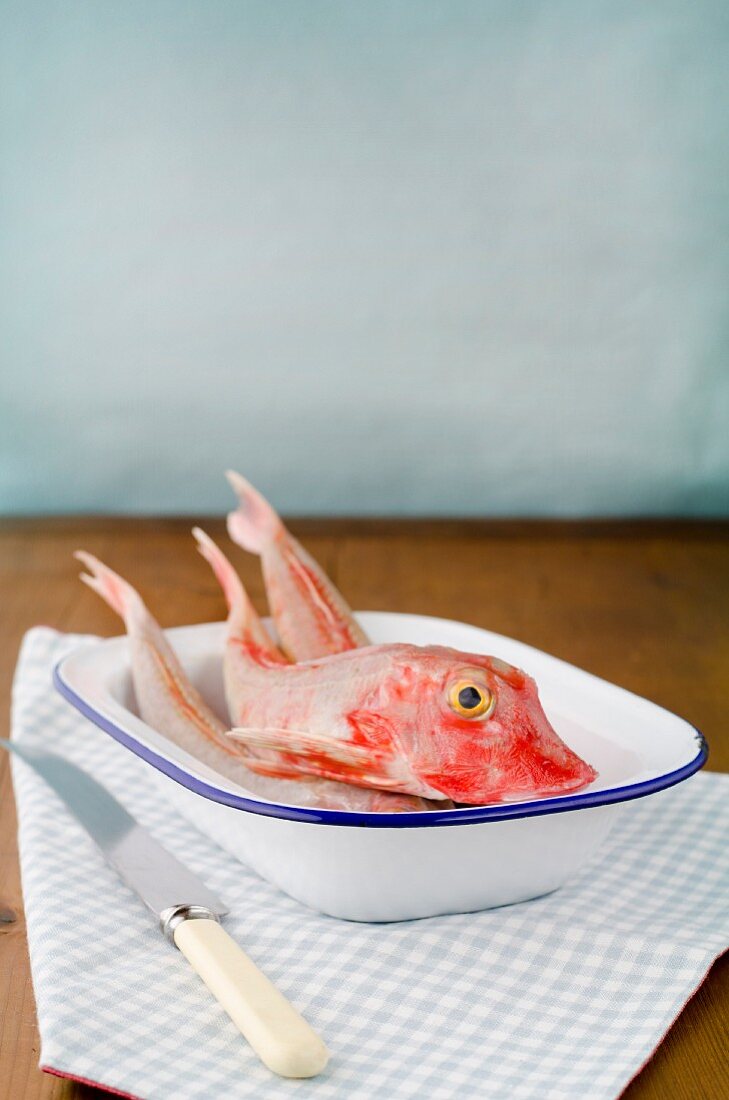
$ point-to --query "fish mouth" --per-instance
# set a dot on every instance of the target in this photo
(566, 786)
(524, 794)
(520, 781)
(544, 777)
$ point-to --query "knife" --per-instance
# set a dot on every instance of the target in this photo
(189, 915)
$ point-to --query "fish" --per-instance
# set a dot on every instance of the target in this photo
(170, 703)
(428, 721)
(312, 617)
(247, 642)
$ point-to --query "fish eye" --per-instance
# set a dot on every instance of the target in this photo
(471, 700)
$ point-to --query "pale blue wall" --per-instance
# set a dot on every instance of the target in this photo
(382, 257)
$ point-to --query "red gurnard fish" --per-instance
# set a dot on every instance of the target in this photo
(312, 617)
(170, 703)
(248, 641)
(429, 721)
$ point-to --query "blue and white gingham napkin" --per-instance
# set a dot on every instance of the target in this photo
(563, 997)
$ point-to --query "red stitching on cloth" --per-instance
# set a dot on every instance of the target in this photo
(88, 1081)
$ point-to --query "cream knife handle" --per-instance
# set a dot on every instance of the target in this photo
(281, 1037)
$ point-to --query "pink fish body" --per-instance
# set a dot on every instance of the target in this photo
(170, 703)
(429, 721)
(248, 660)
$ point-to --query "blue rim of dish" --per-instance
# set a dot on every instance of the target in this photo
(472, 815)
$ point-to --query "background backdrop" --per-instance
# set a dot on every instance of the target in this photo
(382, 257)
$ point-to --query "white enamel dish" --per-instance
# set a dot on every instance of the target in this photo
(384, 867)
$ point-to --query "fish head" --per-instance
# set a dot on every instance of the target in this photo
(474, 730)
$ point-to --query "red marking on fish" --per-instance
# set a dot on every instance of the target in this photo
(339, 632)
(187, 705)
(370, 729)
(260, 654)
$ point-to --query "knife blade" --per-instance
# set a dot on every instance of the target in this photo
(189, 913)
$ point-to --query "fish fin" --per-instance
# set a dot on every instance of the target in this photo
(243, 618)
(254, 523)
(118, 593)
(273, 769)
(371, 729)
(312, 754)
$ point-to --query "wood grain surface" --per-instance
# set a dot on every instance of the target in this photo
(645, 605)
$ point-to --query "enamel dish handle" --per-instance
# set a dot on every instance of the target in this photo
(280, 1036)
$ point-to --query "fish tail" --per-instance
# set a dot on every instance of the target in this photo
(167, 699)
(118, 593)
(224, 572)
(254, 523)
(243, 620)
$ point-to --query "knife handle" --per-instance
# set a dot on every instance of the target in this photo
(281, 1037)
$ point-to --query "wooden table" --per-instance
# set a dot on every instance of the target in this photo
(643, 604)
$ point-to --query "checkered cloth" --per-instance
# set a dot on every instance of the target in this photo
(566, 996)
